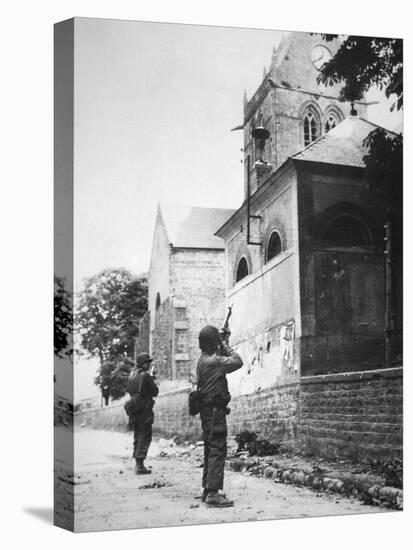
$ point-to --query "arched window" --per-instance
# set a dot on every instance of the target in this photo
(242, 269)
(310, 127)
(158, 301)
(331, 122)
(274, 246)
(347, 230)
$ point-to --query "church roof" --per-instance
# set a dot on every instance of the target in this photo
(194, 226)
(342, 145)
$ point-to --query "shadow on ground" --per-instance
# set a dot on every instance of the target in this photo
(45, 514)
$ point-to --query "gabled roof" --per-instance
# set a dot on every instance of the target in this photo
(342, 145)
(194, 226)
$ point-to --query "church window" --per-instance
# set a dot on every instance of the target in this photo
(346, 231)
(158, 301)
(242, 269)
(331, 122)
(274, 246)
(310, 128)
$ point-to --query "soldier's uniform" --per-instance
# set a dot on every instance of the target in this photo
(140, 381)
(217, 360)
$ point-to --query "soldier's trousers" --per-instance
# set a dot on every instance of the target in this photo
(142, 437)
(214, 428)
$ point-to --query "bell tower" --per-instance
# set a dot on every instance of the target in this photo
(290, 109)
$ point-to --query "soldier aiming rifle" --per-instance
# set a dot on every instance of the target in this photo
(216, 361)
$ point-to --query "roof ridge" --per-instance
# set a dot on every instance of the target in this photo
(376, 125)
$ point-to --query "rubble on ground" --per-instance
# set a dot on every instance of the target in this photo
(302, 474)
(156, 485)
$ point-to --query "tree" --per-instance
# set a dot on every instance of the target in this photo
(362, 63)
(113, 376)
(108, 311)
(63, 319)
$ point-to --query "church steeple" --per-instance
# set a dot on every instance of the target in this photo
(290, 103)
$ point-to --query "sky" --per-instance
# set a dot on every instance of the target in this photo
(154, 106)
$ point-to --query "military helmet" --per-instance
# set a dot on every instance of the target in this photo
(209, 339)
(143, 358)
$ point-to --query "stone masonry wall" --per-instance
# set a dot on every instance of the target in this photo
(198, 280)
(162, 340)
(356, 415)
(142, 342)
(273, 413)
(112, 417)
(172, 417)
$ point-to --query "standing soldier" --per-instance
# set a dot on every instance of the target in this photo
(216, 361)
(142, 388)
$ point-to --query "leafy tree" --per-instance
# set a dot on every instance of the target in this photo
(113, 376)
(363, 62)
(63, 319)
(108, 311)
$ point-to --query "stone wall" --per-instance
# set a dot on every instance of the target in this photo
(172, 417)
(112, 417)
(273, 413)
(159, 270)
(356, 415)
(198, 278)
(142, 342)
(161, 348)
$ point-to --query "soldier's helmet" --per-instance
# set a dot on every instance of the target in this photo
(209, 339)
(143, 358)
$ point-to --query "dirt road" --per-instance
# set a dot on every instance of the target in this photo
(108, 495)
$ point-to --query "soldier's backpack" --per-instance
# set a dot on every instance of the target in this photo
(135, 405)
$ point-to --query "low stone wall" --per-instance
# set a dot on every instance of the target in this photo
(354, 415)
(112, 417)
(357, 415)
(172, 417)
(272, 412)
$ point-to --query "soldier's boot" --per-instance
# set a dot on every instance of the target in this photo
(140, 468)
(216, 500)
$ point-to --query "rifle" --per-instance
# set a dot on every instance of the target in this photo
(225, 332)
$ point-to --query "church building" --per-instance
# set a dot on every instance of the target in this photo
(305, 258)
(302, 264)
(186, 287)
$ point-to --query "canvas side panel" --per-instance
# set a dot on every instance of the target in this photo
(63, 268)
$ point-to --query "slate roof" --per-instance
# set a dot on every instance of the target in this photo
(194, 226)
(342, 145)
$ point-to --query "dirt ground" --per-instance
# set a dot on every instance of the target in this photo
(108, 495)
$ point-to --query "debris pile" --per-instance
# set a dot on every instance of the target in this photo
(255, 446)
(169, 448)
(316, 478)
(156, 485)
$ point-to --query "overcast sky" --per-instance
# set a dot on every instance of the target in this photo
(154, 105)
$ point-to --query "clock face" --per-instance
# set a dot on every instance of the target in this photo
(320, 54)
